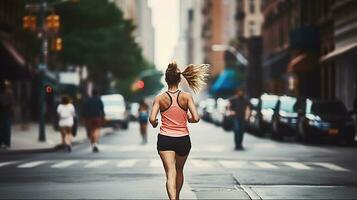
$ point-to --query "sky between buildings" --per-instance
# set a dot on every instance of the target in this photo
(165, 15)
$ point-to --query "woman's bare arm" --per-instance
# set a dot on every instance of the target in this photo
(193, 117)
(154, 111)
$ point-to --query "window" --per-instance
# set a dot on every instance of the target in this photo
(251, 6)
(252, 27)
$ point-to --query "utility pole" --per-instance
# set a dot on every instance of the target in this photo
(42, 67)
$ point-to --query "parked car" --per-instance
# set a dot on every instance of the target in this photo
(208, 109)
(219, 111)
(325, 119)
(134, 111)
(285, 117)
(251, 122)
(262, 117)
(115, 111)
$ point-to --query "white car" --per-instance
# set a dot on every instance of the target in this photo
(115, 110)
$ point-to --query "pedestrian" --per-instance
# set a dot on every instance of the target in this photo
(66, 113)
(239, 109)
(143, 120)
(6, 113)
(93, 114)
(176, 109)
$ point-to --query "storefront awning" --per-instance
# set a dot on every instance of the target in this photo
(302, 63)
(339, 51)
(12, 64)
(227, 80)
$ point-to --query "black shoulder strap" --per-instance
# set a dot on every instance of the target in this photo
(170, 102)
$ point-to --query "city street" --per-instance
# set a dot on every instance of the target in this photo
(126, 169)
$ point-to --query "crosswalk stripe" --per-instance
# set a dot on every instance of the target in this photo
(6, 163)
(232, 164)
(201, 163)
(297, 165)
(126, 163)
(265, 165)
(331, 166)
(64, 164)
(155, 163)
(32, 164)
(96, 163)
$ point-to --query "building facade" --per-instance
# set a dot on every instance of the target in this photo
(140, 13)
(344, 54)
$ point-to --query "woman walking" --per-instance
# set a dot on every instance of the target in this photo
(176, 109)
(143, 120)
(66, 114)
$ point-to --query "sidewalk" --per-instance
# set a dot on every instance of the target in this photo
(27, 140)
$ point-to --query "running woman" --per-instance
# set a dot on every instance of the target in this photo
(143, 120)
(176, 109)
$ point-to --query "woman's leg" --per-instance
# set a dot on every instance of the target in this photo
(69, 136)
(143, 131)
(63, 135)
(168, 159)
(180, 163)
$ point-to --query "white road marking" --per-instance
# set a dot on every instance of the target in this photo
(126, 163)
(297, 165)
(96, 163)
(264, 165)
(201, 164)
(65, 163)
(251, 193)
(232, 164)
(155, 163)
(32, 164)
(7, 163)
(331, 166)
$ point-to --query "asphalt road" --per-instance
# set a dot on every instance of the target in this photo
(125, 169)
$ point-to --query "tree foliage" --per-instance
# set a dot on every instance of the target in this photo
(95, 34)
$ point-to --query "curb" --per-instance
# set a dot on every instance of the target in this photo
(49, 149)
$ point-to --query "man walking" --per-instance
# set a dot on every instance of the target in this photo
(240, 110)
(93, 114)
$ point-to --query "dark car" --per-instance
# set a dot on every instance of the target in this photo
(285, 117)
(325, 119)
(262, 115)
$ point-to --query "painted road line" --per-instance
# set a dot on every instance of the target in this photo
(126, 163)
(7, 163)
(201, 163)
(250, 192)
(297, 165)
(155, 163)
(32, 164)
(264, 165)
(65, 163)
(96, 163)
(233, 164)
(331, 166)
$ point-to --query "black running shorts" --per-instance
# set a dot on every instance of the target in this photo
(180, 145)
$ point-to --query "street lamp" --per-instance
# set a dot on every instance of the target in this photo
(239, 57)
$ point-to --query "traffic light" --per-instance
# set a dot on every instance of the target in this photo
(48, 89)
(138, 85)
(53, 22)
(56, 44)
(29, 22)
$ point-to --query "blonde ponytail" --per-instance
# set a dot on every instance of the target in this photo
(196, 76)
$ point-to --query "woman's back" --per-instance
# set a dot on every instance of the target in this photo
(173, 109)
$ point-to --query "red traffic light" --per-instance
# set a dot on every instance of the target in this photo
(48, 89)
(140, 84)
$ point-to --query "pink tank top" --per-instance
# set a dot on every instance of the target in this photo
(174, 118)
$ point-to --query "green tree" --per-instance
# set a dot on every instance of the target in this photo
(95, 34)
